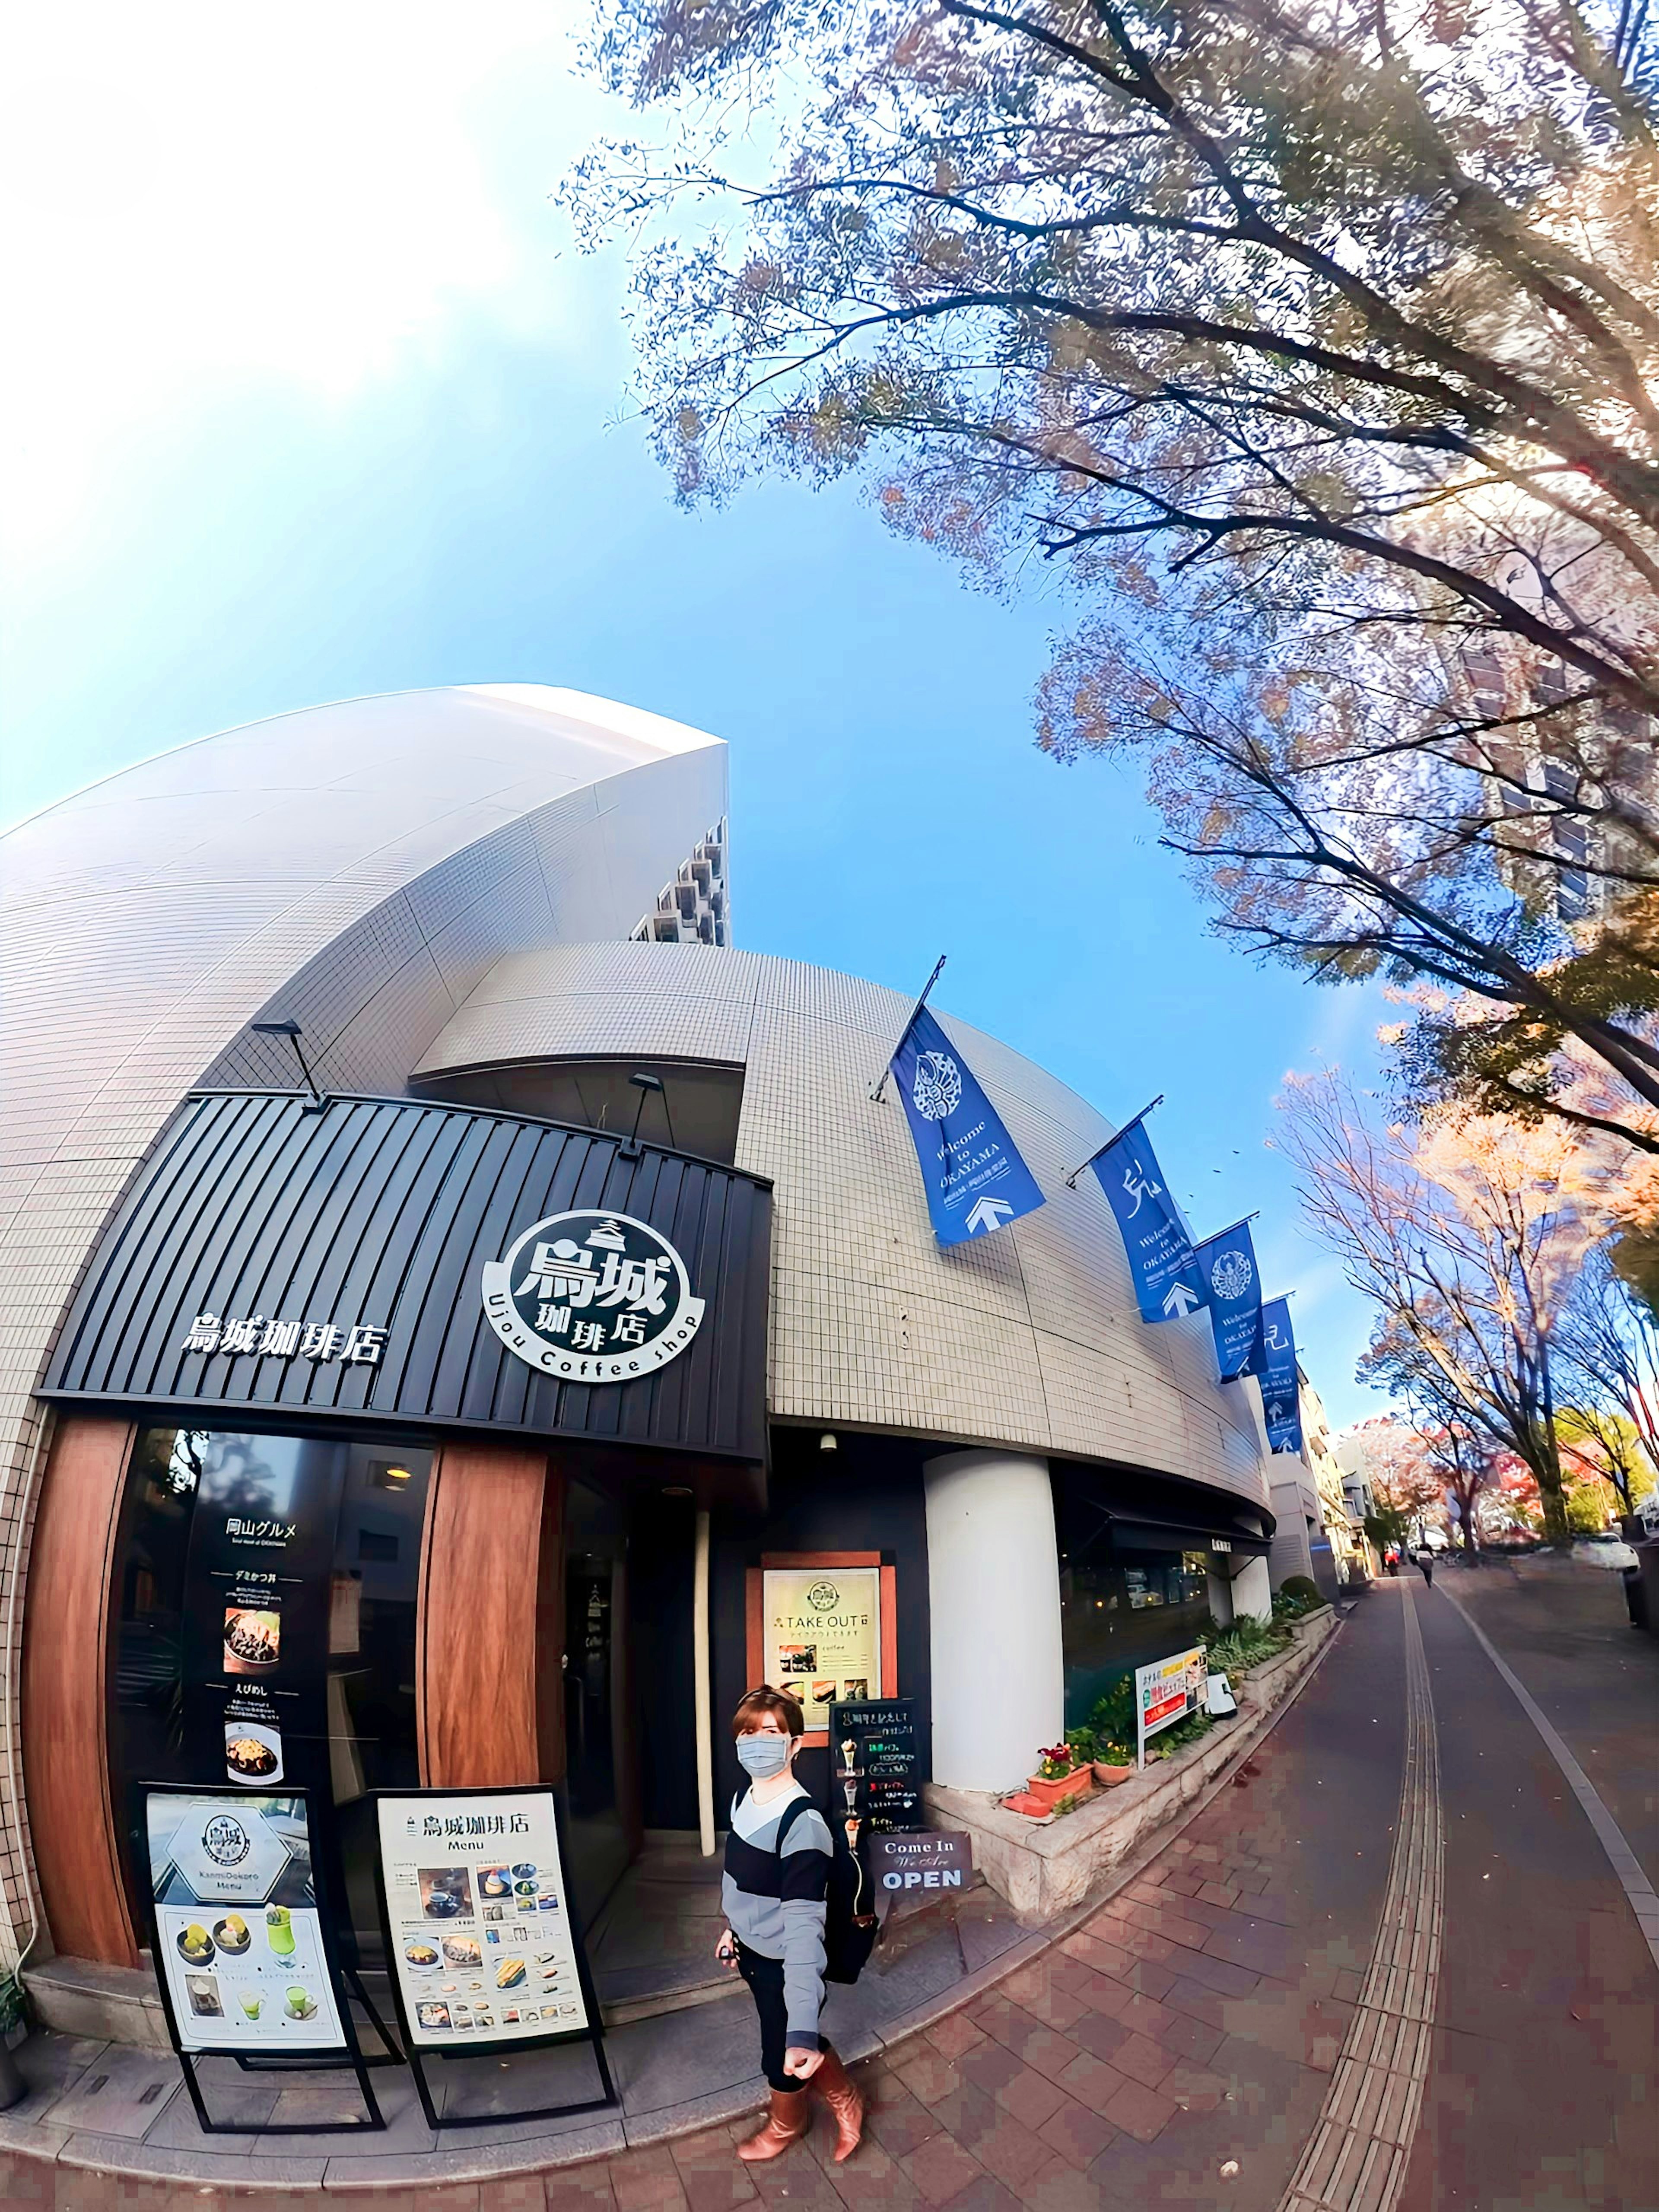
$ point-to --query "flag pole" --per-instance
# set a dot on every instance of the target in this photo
(879, 1088)
(1228, 1230)
(1071, 1180)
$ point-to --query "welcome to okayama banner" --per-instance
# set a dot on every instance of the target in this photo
(1280, 1400)
(971, 1170)
(1162, 1261)
(1232, 1288)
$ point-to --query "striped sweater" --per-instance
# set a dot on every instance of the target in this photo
(774, 1903)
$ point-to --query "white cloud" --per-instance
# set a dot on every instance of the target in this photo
(199, 197)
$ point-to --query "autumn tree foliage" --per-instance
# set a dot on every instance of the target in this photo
(1315, 342)
(1468, 1234)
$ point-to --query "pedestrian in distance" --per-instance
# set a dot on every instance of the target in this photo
(774, 1892)
(1425, 1560)
(1392, 1563)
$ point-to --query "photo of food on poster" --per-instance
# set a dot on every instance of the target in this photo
(238, 1933)
(475, 1903)
(258, 1613)
(822, 1634)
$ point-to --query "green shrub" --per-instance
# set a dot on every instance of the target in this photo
(1113, 1719)
(1303, 1587)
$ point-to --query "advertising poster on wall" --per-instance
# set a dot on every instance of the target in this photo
(821, 1635)
(258, 1607)
(241, 1943)
(1167, 1691)
(478, 1920)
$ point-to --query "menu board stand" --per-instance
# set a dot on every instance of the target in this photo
(159, 1804)
(518, 1819)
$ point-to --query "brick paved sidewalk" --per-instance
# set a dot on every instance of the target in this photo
(1194, 2020)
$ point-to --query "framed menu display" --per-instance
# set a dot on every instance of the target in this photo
(240, 1936)
(824, 1625)
(483, 1950)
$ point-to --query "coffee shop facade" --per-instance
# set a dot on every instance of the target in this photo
(469, 1321)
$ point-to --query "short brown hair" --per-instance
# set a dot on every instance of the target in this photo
(753, 1709)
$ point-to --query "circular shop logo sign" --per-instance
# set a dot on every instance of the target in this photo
(823, 1597)
(1229, 1277)
(937, 1089)
(225, 1840)
(592, 1298)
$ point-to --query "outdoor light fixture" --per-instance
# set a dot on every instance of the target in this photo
(827, 1442)
(677, 1490)
(291, 1031)
(644, 1084)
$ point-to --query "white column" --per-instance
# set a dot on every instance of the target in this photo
(1253, 1590)
(994, 1603)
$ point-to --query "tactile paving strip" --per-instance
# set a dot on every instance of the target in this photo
(1356, 2158)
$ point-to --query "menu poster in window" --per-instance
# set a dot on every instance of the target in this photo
(259, 1593)
(874, 1764)
(239, 1936)
(822, 1629)
(477, 1918)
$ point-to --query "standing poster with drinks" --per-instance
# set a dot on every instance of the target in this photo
(477, 1918)
(239, 1933)
(1166, 1692)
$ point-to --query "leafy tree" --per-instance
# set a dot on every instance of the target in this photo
(1607, 1359)
(1316, 342)
(1466, 1235)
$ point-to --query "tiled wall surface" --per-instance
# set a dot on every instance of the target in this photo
(357, 868)
(1028, 1338)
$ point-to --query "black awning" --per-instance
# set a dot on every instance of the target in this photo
(1199, 1532)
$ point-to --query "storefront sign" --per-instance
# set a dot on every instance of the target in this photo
(593, 1296)
(874, 1766)
(477, 1918)
(257, 1599)
(920, 1865)
(1166, 1692)
(239, 1941)
(317, 1340)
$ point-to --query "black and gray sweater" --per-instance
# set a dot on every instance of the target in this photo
(774, 1902)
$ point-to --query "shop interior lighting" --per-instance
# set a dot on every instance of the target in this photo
(389, 1476)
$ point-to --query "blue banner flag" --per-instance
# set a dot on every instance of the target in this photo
(1282, 1400)
(1232, 1290)
(1162, 1260)
(974, 1178)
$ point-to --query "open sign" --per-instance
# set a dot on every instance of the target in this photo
(923, 1864)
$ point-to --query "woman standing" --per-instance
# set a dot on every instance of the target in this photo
(774, 1899)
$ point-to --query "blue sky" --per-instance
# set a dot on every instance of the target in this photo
(323, 402)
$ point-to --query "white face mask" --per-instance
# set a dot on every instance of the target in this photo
(763, 1753)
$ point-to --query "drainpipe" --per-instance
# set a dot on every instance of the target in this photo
(704, 1697)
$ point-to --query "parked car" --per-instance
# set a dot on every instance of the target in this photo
(1608, 1550)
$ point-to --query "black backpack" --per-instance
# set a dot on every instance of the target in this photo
(851, 1930)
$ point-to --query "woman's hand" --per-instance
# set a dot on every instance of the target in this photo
(725, 1951)
(803, 2065)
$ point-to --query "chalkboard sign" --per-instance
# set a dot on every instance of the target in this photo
(874, 1764)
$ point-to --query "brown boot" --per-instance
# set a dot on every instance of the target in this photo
(846, 2105)
(786, 2120)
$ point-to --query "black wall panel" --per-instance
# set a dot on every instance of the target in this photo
(384, 1212)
